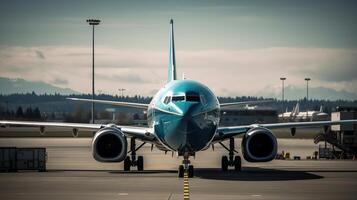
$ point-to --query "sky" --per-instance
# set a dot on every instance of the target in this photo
(234, 47)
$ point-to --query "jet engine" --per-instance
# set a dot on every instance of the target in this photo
(109, 145)
(259, 145)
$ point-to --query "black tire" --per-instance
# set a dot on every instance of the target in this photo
(190, 171)
(127, 164)
(140, 163)
(224, 163)
(238, 164)
(180, 171)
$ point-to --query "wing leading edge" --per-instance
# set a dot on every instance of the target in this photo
(231, 131)
(143, 133)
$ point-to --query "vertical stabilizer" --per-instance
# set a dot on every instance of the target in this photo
(321, 109)
(297, 109)
(172, 60)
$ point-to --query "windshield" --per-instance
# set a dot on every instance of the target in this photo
(194, 98)
(178, 98)
(188, 97)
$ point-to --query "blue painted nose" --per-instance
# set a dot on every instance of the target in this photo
(187, 109)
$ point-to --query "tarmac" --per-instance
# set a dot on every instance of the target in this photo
(74, 174)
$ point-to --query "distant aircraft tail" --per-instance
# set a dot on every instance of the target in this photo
(295, 110)
(172, 60)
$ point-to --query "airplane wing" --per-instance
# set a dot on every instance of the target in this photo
(231, 131)
(143, 133)
(242, 103)
(116, 103)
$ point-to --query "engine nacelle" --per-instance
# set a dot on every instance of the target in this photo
(109, 145)
(259, 145)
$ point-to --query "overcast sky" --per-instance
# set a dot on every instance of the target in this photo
(234, 47)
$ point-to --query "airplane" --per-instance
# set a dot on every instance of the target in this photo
(183, 117)
(290, 115)
(310, 115)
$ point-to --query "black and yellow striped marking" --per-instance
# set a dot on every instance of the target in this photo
(186, 187)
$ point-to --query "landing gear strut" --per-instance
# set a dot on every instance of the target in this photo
(133, 160)
(185, 167)
(231, 160)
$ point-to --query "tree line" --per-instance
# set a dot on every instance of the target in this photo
(20, 114)
(32, 106)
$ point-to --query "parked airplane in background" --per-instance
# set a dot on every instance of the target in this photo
(310, 115)
(183, 117)
(290, 115)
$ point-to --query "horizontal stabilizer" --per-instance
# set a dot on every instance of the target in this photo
(243, 103)
(116, 103)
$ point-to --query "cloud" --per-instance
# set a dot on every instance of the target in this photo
(59, 81)
(226, 72)
(124, 77)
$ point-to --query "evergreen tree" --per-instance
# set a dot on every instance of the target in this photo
(37, 114)
(19, 112)
(29, 113)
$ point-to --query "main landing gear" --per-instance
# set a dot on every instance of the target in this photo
(231, 160)
(133, 160)
(185, 167)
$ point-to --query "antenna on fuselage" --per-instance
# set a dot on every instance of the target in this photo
(172, 60)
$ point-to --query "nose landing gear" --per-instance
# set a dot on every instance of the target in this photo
(231, 160)
(186, 167)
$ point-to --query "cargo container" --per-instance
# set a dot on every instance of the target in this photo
(31, 159)
(14, 159)
(7, 159)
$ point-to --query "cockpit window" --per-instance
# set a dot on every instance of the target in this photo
(190, 97)
(203, 100)
(167, 100)
(178, 98)
(193, 98)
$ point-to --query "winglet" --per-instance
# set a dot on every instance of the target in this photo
(172, 60)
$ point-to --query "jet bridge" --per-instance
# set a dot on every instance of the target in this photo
(343, 137)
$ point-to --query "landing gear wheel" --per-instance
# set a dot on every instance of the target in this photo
(127, 164)
(190, 171)
(180, 171)
(224, 163)
(140, 163)
(237, 164)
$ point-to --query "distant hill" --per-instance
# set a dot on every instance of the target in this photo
(11, 86)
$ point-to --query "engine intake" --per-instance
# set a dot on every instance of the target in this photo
(259, 145)
(109, 145)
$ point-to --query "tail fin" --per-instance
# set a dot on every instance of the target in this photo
(321, 109)
(297, 109)
(172, 60)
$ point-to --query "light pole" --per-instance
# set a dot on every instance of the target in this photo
(122, 91)
(307, 91)
(282, 92)
(93, 22)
